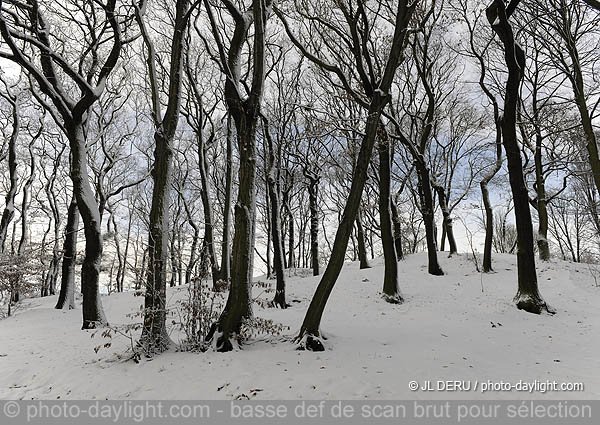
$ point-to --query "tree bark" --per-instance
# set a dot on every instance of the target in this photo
(397, 230)
(155, 334)
(426, 200)
(447, 230)
(274, 205)
(391, 292)
(225, 245)
(360, 240)
(9, 208)
(528, 297)
(93, 314)
(66, 297)
(313, 193)
(209, 238)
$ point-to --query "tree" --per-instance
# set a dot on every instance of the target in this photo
(244, 111)
(528, 297)
(9, 207)
(155, 338)
(391, 291)
(67, 87)
(376, 96)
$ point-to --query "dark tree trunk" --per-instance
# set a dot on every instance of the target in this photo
(360, 240)
(155, 338)
(66, 297)
(528, 297)
(426, 200)
(121, 278)
(397, 230)
(225, 248)
(93, 314)
(291, 260)
(189, 270)
(273, 190)
(239, 302)
(391, 292)
(313, 193)
(378, 99)
(9, 209)
(312, 320)
(120, 264)
(541, 202)
(154, 334)
(447, 229)
(207, 209)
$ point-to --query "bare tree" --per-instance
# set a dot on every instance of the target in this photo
(528, 297)
(154, 335)
(26, 32)
(376, 95)
(244, 111)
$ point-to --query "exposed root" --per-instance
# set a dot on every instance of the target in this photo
(393, 299)
(532, 304)
(310, 342)
(93, 324)
(220, 341)
(279, 301)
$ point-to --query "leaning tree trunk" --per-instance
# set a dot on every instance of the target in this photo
(360, 239)
(93, 314)
(391, 292)
(528, 297)
(310, 327)
(66, 297)
(426, 198)
(577, 81)
(274, 205)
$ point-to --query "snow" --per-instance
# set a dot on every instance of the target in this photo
(447, 330)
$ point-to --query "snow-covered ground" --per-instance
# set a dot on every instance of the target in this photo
(448, 329)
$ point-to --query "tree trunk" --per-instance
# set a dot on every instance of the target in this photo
(9, 209)
(528, 297)
(397, 230)
(391, 292)
(360, 239)
(541, 203)
(93, 314)
(312, 320)
(447, 228)
(239, 302)
(291, 262)
(207, 209)
(313, 193)
(273, 190)
(66, 297)
(225, 248)
(154, 333)
(426, 198)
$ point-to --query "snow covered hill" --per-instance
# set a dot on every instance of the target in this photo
(448, 329)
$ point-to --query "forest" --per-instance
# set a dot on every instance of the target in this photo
(207, 157)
